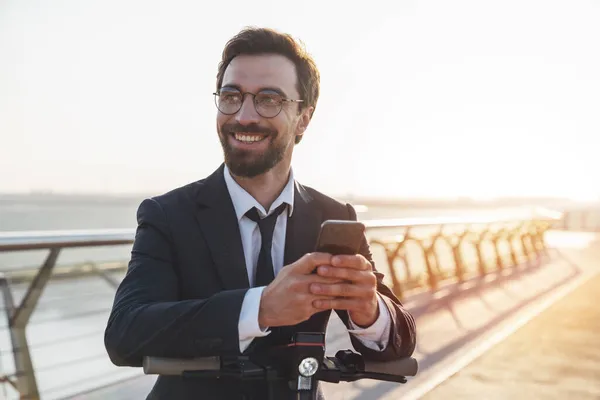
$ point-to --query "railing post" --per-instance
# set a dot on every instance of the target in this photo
(459, 265)
(495, 239)
(436, 256)
(542, 237)
(477, 240)
(391, 255)
(480, 258)
(17, 321)
(9, 306)
(535, 238)
(427, 253)
(392, 251)
(526, 237)
(511, 235)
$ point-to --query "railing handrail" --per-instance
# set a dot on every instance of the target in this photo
(538, 213)
(36, 240)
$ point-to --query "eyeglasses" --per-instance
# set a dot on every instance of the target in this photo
(267, 103)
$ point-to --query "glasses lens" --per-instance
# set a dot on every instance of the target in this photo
(268, 104)
(228, 101)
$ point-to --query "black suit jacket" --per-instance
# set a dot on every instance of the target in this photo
(186, 280)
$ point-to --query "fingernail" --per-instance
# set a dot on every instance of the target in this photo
(317, 288)
(318, 303)
(335, 260)
(324, 270)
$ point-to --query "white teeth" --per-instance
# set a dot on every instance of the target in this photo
(248, 138)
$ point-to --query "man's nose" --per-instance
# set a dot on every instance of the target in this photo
(247, 113)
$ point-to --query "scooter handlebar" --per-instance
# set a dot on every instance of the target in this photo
(172, 366)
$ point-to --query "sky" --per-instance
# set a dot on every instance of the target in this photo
(429, 98)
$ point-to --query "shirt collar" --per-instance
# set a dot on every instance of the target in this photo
(243, 201)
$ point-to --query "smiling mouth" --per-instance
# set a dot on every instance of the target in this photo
(248, 137)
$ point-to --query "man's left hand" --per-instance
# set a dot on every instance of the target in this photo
(358, 295)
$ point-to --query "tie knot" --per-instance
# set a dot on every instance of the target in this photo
(254, 216)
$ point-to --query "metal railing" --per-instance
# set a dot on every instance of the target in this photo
(496, 242)
(434, 250)
(18, 316)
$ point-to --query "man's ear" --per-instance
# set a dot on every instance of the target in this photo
(305, 118)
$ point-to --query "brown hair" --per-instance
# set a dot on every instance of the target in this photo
(253, 40)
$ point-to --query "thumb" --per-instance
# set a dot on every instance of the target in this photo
(310, 261)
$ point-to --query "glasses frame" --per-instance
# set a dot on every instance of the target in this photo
(283, 100)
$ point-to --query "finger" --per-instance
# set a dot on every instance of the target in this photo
(347, 274)
(315, 278)
(356, 261)
(309, 298)
(303, 282)
(349, 304)
(306, 306)
(342, 289)
(310, 261)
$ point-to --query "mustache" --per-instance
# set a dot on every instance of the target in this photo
(252, 128)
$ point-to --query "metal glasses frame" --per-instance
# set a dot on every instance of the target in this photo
(243, 94)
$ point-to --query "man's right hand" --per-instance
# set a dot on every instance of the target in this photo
(287, 300)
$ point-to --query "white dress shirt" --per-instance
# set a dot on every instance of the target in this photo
(374, 336)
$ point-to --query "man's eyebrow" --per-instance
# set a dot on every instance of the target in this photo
(267, 88)
(276, 90)
(231, 86)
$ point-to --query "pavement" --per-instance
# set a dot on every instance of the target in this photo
(554, 356)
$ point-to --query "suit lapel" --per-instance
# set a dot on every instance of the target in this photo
(302, 227)
(216, 216)
(219, 224)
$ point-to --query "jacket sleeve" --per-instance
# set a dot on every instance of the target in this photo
(402, 340)
(149, 319)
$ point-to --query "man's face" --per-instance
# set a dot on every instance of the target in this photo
(254, 143)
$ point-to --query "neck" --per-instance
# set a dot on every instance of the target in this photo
(267, 187)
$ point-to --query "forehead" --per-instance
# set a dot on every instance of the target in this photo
(254, 72)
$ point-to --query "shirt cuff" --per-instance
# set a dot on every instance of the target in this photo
(248, 327)
(377, 335)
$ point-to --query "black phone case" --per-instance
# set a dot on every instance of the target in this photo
(340, 237)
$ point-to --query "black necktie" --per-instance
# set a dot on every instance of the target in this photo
(264, 268)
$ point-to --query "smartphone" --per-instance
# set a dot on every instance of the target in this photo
(340, 237)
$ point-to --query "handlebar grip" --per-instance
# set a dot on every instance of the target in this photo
(404, 367)
(176, 366)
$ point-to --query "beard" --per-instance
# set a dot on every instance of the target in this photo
(246, 163)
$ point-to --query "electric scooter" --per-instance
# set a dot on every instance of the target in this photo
(301, 363)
